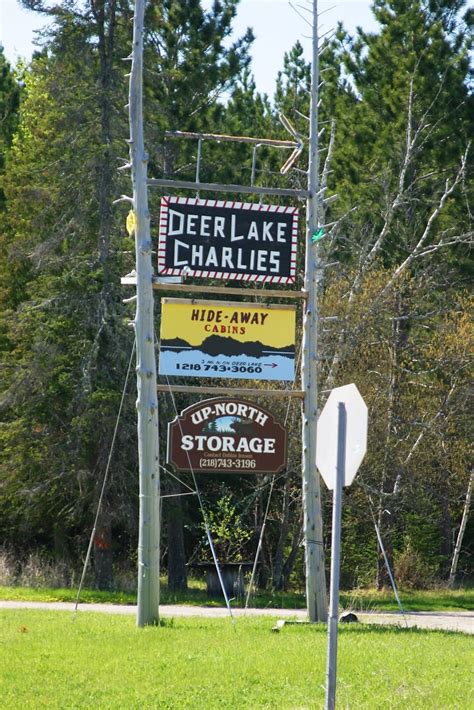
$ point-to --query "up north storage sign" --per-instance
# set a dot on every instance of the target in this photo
(222, 240)
(227, 436)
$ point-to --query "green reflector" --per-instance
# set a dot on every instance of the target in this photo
(319, 234)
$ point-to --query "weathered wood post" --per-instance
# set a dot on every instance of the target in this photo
(316, 597)
(147, 401)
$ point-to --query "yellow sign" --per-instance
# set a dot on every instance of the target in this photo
(131, 222)
(222, 339)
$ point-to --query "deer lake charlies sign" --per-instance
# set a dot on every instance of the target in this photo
(228, 436)
(221, 240)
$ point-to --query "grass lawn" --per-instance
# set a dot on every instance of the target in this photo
(358, 600)
(58, 660)
(412, 600)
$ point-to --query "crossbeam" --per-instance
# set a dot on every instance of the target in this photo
(239, 391)
(222, 290)
(230, 291)
(232, 139)
(218, 187)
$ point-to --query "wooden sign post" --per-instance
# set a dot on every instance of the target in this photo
(243, 241)
(147, 401)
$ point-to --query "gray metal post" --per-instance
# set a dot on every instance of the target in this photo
(313, 528)
(147, 401)
(331, 668)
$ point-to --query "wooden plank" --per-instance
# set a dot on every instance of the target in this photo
(217, 187)
(186, 389)
(223, 138)
(286, 622)
(279, 625)
(228, 290)
(225, 290)
(233, 304)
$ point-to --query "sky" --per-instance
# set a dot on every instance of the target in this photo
(276, 24)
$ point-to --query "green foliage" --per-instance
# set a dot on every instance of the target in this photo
(398, 292)
(189, 64)
(395, 296)
(411, 568)
(67, 345)
(9, 105)
(421, 48)
(229, 536)
(414, 375)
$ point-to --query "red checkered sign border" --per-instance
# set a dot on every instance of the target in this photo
(164, 268)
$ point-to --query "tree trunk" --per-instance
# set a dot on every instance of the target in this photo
(263, 572)
(278, 581)
(104, 15)
(383, 577)
(103, 571)
(465, 515)
(106, 22)
(264, 568)
(445, 526)
(177, 573)
(398, 343)
(292, 557)
(60, 542)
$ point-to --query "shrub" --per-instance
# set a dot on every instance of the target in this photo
(411, 570)
(7, 568)
(39, 571)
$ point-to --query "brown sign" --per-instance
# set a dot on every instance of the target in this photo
(228, 436)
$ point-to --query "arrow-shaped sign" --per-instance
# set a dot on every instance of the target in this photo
(299, 144)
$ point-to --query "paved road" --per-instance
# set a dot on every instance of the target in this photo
(447, 621)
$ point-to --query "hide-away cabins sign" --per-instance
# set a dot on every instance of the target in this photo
(227, 340)
(218, 239)
(227, 436)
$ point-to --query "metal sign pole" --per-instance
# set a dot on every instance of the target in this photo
(331, 669)
(147, 401)
(313, 529)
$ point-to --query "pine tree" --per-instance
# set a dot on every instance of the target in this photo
(66, 321)
(405, 168)
(63, 252)
(9, 104)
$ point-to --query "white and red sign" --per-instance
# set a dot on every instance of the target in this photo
(227, 240)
